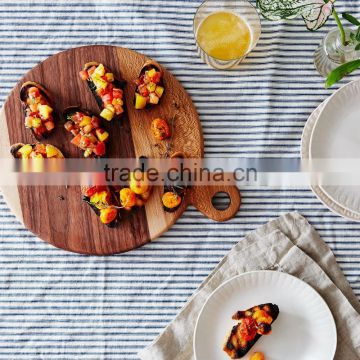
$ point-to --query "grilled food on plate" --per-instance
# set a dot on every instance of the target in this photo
(253, 323)
(35, 151)
(106, 88)
(104, 204)
(38, 108)
(149, 85)
(87, 131)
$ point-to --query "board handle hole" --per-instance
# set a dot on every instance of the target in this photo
(221, 201)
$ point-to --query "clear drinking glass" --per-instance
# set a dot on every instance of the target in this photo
(241, 8)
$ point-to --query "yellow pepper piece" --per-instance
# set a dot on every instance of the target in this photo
(159, 91)
(45, 111)
(25, 151)
(109, 77)
(140, 101)
(102, 136)
(107, 114)
(86, 120)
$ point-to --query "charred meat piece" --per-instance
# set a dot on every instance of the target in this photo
(88, 134)
(253, 323)
(37, 103)
(35, 151)
(149, 85)
(103, 203)
(107, 90)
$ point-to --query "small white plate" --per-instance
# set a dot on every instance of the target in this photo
(318, 190)
(336, 135)
(304, 330)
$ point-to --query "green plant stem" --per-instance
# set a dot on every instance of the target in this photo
(341, 27)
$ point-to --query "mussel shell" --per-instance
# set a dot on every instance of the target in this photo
(28, 84)
(15, 148)
(148, 66)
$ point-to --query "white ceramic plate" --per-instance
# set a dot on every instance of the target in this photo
(336, 135)
(304, 330)
(305, 154)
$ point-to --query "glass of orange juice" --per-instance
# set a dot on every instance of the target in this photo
(226, 31)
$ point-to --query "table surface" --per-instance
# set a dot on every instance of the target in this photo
(58, 305)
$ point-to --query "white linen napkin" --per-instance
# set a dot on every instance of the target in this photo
(289, 244)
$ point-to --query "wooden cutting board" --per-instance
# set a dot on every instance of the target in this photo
(56, 214)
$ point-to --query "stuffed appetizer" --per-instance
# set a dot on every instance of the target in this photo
(107, 90)
(138, 192)
(103, 203)
(149, 85)
(35, 151)
(38, 108)
(87, 133)
(160, 129)
(253, 323)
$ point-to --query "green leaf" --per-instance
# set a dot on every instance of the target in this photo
(357, 36)
(314, 12)
(357, 47)
(351, 19)
(341, 71)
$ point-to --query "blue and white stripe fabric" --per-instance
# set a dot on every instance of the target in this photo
(58, 305)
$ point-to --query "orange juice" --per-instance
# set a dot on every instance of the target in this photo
(224, 36)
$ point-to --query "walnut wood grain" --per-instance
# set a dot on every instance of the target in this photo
(69, 223)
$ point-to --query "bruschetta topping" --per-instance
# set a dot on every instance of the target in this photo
(149, 85)
(38, 109)
(107, 90)
(88, 135)
(35, 151)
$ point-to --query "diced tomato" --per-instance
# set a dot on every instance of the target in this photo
(91, 70)
(75, 131)
(143, 90)
(76, 140)
(77, 117)
(34, 92)
(49, 125)
(101, 92)
(95, 122)
(84, 142)
(84, 75)
(69, 125)
(106, 99)
(156, 77)
(247, 328)
(118, 109)
(117, 93)
(109, 87)
(90, 191)
(100, 149)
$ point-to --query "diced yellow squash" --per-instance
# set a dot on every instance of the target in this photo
(140, 101)
(118, 102)
(45, 111)
(110, 107)
(159, 91)
(100, 70)
(107, 114)
(151, 87)
(102, 136)
(99, 83)
(51, 151)
(151, 73)
(25, 151)
(35, 123)
(109, 77)
(86, 120)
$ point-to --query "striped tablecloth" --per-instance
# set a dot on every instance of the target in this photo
(58, 305)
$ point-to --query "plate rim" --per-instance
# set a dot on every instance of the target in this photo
(213, 293)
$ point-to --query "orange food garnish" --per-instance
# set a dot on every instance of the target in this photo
(127, 198)
(171, 200)
(108, 215)
(160, 129)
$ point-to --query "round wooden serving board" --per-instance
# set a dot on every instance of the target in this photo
(69, 223)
